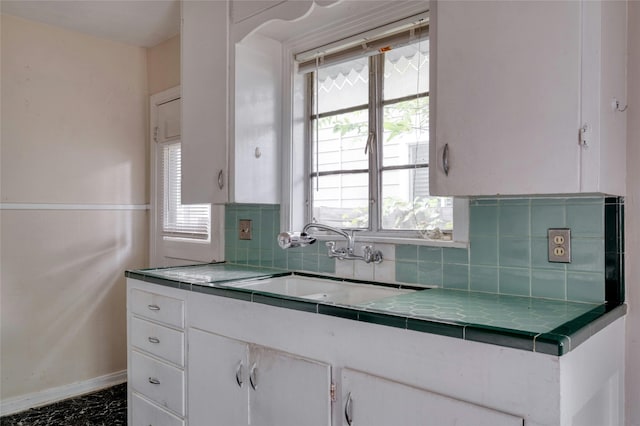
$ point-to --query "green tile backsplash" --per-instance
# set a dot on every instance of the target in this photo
(507, 250)
(263, 249)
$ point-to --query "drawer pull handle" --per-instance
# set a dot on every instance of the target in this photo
(153, 307)
(252, 377)
(239, 374)
(154, 340)
(348, 410)
(154, 381)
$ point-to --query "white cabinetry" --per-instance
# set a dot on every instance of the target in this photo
(512, 84)
(250, 363)
(374, 401)
(205, 101)
(238, 383)
(156, 354)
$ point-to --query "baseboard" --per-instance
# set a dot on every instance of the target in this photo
(49, 396)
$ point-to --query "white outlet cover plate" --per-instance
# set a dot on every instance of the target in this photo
(565, 234)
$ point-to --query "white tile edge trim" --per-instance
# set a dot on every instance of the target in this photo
(41, 206)
(49, 396)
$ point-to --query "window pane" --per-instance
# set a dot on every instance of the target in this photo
(341, 142)
(406, 70)
(180, 220)
(343, 85)
(341, 200)
(406, 203)
(406, 133)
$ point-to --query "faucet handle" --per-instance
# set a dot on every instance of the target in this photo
(371, 255)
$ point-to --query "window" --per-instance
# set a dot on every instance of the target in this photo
(185, 221)
(368, 139)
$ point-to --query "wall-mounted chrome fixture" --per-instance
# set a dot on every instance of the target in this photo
(294, 239)
(302, 239)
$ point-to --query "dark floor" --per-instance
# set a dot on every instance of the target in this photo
(104, 408)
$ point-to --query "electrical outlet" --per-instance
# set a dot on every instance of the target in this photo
(245, 229)
(559, 245)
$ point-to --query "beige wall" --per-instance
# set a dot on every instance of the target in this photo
(74, 131)
(163, 65)
(632, 219)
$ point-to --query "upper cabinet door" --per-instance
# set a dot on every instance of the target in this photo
(513, 84)
(205, 101)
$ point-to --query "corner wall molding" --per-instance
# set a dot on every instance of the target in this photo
(46, 206)
(49, 396)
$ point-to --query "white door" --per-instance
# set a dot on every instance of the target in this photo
(180, 234)
(287, 390)
(217, 380)
(374, 401)
(506, 94)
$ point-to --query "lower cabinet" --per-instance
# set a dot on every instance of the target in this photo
(375, 401)
(202, 360)
(155, 354)
(236, 383)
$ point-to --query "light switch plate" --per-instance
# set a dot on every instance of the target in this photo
(245, 229)
(559, 245)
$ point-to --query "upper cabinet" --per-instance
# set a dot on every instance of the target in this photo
(205, 101)
(524, 95)
(231, 82)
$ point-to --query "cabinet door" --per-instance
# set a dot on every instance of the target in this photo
(287, 390)
(217, 380)
(205, 100)
(505, 88)
(374, 401)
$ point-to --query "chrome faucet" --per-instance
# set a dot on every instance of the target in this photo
(302, 239)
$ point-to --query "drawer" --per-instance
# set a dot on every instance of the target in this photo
(158, 381)
(145, 413)
(157, 307)
(160, 341)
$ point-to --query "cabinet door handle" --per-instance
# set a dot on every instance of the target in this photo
(445, 159)
(239, 374)
(221, 179)
(154, 381)
(153, 307)
(348, 410)
(154, 340)
(253, 376)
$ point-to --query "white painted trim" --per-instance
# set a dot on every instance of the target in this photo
(155, 101)
(48, 396)
(47, 206)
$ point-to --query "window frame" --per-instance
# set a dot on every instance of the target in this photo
(375, 106)
(296, 158)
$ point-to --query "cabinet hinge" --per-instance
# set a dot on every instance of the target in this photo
(584, 134)
(332, 392)
(155, 134)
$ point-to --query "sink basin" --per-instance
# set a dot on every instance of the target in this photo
(319, 289)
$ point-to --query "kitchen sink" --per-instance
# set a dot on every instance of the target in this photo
(320, 289)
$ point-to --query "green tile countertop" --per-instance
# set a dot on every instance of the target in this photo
(548, 326)
(211, 273)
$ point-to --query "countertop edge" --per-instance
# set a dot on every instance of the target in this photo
(557, 342)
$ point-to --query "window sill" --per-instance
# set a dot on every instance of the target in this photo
(363, 238)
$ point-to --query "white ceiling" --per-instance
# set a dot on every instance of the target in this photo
(143, 23)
